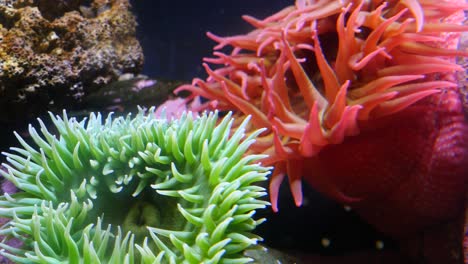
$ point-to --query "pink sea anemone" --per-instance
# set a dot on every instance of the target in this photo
(360, 99)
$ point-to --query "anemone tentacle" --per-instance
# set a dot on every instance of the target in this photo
(133, 190)
(381, 58)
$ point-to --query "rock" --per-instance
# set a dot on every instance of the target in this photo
(54, 53)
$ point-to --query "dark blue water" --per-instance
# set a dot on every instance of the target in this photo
(173, 33)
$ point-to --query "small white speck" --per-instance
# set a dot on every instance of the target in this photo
(347, 208)
(379, 244)
(326, 242)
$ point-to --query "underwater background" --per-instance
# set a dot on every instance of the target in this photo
(173, 40)
(173, 33)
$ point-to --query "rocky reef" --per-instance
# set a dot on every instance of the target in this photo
(54, 53)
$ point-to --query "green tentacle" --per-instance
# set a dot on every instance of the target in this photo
(133, 190)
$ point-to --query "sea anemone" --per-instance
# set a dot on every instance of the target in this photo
(133, 190)
(360, 99)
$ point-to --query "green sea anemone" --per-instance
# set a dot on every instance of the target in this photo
(133, 190)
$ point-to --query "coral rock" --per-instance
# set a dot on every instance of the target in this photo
(52, 53)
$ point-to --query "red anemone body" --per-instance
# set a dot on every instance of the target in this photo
(360, 99)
